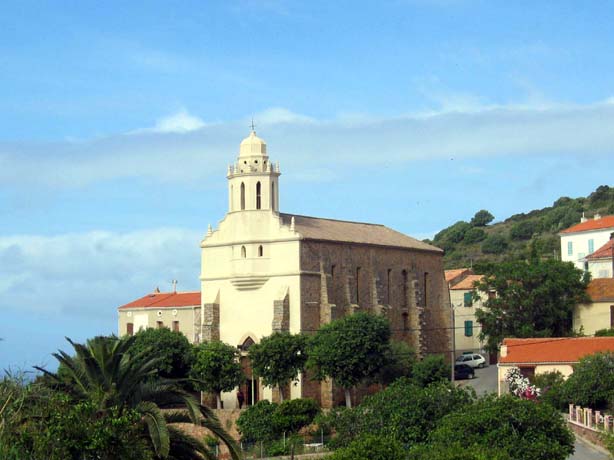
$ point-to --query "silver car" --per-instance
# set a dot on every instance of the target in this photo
(473, 360)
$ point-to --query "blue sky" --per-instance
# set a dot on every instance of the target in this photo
(117, 121)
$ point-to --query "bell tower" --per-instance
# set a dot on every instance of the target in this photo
(252, 179)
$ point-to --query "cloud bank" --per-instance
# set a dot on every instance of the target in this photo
(184, 148)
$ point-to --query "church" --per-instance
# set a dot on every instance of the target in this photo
(264, 271)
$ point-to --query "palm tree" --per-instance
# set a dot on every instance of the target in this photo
(106, 373)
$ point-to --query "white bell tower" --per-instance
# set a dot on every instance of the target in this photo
(253, 180)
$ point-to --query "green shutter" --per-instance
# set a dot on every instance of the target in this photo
(468, 299)
(468, 328)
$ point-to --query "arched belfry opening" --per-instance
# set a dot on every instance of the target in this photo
(273, 196)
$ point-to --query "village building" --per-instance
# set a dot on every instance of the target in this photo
(599, 312)
(264, 271)
(540, 355)
(600, 264)
(581, 240)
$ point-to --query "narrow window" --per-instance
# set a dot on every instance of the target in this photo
(405, 289)
(258, 201)
(232, 197)
(260, 251)
(357, 285)
(130, 328)
(591, 246)
(273, 196)
(242, 196)
(425, 289)
(243, 252)
(468, 328)
(405, 321)
(611, 315)
(388, 273)
(175, 326)
(159, 324)
(467, 298)
(569, 248)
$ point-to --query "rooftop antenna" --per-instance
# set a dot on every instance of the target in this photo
(174, 283)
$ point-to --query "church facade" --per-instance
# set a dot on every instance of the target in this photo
(264, 271)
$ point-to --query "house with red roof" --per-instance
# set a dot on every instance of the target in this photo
(600, 262)
(599, 312)
(538, 356)
(581, 240)
(178, 311)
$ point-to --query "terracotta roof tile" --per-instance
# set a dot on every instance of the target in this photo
(451, 275)
(601, 290)
(165, 300)
(591, 224)
(554, 350)
(604, 252)
(467, 283)
(314, 228)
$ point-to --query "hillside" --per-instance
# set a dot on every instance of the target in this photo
(478, 241)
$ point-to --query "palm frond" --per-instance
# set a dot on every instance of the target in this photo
(186, 447)
(156, 426)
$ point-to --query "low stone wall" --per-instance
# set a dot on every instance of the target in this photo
(588, 434)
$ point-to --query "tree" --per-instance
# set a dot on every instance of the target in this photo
(592, 382)
(482, 218)
(533, 300)
(523, 230)
(455, 451)
(350, 350)
(371, 447)
(173, 351)
(216, 368)
(523, 429)
(431, 369)
(256, 422)
(400, 361)
(494, 244)
(279, 358)
(106, 374)
(474, 235)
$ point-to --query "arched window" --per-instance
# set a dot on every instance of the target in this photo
(357, 285)
(260, 251)
(273, 196)
(242, 196)
(388, 287)
(258, 202)
(243, 252)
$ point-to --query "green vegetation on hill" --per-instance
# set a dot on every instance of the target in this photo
(520, 236)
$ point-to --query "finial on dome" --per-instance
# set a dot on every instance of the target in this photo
(292, 224)
(252, 126)
(209, 230)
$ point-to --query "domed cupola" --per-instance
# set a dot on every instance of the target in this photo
(252, 145)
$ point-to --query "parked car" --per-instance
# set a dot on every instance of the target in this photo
(473, 360)
(463, 371)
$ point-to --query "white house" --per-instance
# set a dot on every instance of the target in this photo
(600, 262)
(581, 240)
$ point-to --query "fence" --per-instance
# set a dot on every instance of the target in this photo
(588, 418)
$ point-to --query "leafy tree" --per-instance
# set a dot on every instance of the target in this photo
(431, 369)
(106, 374)
(494, 244)
(216, 368)
(533, 300)
(371, 447)
(294, 414)
(172, 350)
(256, 422)
(591, 384)
(521, 428)
(350, 350)
(455, 452)
(403, 411)
(482, 218)
(523, 230)
(400, 361)
(474, 235)
(279, 358)
(552, 386)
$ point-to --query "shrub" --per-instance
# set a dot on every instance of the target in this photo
(605, 332)
(523, 230)
(294, 414)
(256, 422)
(494, 244)
(432, 368)
(552, 389)
(591, 384)
(474, 235)
(482, 218)
(371, 447)
(455, 452)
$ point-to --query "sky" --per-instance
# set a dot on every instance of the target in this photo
(118, 120)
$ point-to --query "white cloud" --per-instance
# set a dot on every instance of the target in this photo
(93, 273)
(180, 122)
(184, 149)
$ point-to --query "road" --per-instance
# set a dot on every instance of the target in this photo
(485, 382)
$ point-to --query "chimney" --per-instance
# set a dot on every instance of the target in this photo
(583, 218)
(597, 216)
(503, 351)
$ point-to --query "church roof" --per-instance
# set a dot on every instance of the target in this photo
(315, 228)
(165, 300)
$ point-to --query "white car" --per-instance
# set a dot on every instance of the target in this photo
(473, 360)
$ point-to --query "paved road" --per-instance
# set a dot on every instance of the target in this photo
(485, 380)
(585, 451)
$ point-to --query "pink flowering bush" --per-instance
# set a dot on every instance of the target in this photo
(520, 385)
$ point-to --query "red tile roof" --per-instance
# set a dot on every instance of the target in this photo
(467, 283)
(591, 224)
(165, 300)
(451, 275)
(604, 252)
(554, 350)
(601, 290)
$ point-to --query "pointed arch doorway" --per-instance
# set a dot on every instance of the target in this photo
(249, 387)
